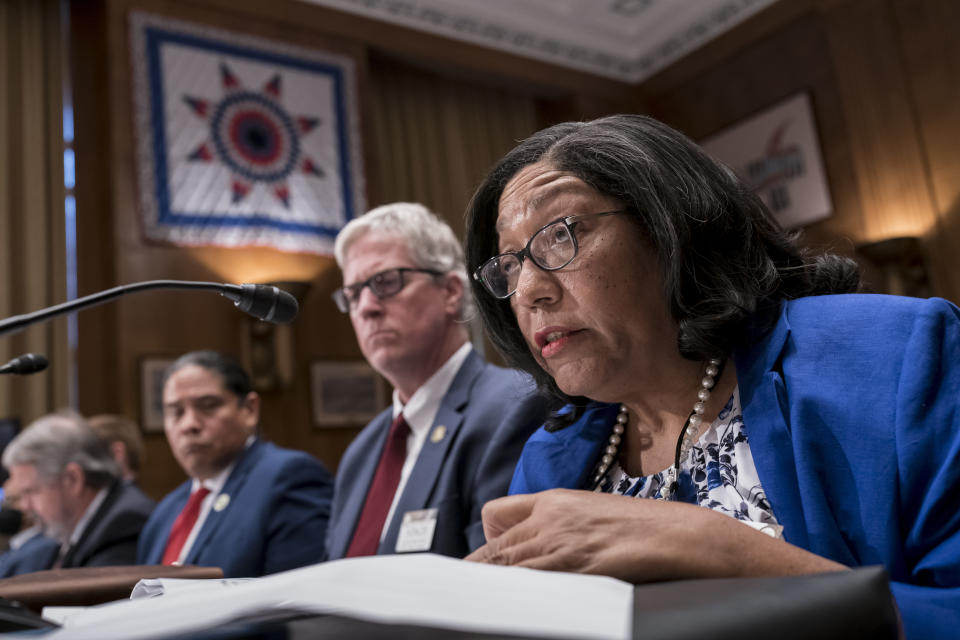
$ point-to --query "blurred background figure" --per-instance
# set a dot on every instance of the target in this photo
(123, 438)
(68, 480)
(16, 526)
(248, 506)
(25, 545)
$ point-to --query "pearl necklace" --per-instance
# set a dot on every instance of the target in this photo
(684, 441)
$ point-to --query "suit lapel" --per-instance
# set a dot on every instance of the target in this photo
(357, 488)
(440, 437)
(75, 555)
(231, 487)
(766, 423)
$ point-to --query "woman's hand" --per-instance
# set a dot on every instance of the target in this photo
(632, 539)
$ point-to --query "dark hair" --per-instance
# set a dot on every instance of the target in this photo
(235, 379)
(725, 263)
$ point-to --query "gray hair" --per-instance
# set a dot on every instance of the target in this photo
(52, 442)
(430, 241)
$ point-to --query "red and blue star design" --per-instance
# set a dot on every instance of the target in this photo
(254, 137)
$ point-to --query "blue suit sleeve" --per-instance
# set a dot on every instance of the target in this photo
(37, 554)
(493, 474)
(298, 520)
(928, 446)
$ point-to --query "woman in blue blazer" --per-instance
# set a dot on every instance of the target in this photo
(776, 422)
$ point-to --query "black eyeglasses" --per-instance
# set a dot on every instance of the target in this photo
(383, 285)
(552, 247)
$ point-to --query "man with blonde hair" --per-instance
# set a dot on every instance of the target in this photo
(416, 477)
(69, 481)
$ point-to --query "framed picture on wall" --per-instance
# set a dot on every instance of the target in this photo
(777, 153)
(345, 393)
(151, 392)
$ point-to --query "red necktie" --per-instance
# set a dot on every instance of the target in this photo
(183, 525)
(366, 537)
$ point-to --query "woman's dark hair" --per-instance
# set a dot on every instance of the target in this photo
(725, 263)
(235, 379)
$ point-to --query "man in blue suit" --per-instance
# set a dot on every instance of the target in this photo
(417, 476)
(69, 481)
(249, 507)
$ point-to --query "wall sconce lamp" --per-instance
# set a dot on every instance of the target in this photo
(896, 266)
(267, 348)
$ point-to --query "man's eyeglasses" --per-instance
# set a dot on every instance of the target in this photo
(552, 247)
(383, 285)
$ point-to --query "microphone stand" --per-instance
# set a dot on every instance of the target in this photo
(238, 293)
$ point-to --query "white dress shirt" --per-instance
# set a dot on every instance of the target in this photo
(420, 412)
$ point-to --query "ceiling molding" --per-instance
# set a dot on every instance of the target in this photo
(625, 40)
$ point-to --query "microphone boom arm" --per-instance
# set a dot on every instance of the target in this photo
(16, 323)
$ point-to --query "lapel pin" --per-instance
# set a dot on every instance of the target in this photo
(438, 433)
(222, 501)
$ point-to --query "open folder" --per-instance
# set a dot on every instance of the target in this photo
(421, 589)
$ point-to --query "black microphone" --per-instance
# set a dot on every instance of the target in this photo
(25, 364)
(263, 301)
(266, 302)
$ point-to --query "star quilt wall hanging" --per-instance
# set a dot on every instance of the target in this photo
(243, 141)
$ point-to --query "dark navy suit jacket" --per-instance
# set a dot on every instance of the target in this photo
(276, 517)
(488, 413)
(110, 537)
(851, 404)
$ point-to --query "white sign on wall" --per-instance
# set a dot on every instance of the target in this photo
(776, 152)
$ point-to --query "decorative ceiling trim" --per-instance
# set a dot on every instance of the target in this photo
(455, 23)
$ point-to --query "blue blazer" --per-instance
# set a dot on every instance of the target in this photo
(110, 537)
(276, 518)
(488, 413)
(36, 554)
(852, 408)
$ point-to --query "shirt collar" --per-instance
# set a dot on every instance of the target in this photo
(422, 406)
(215, 484)
(87, 516)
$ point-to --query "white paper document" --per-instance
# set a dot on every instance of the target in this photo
(59, 615)
(422, 589)
(153, 587)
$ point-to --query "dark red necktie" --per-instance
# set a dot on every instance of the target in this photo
(366, 537)
(183, 525)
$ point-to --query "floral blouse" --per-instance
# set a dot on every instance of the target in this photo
(718, 473)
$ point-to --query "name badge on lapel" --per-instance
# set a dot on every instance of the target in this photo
(416, 530)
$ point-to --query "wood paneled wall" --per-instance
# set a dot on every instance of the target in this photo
(930, 50)
(32, 242)
(436, 113)
(881, 75)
